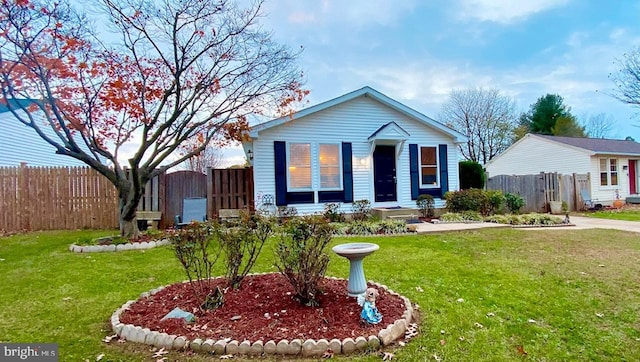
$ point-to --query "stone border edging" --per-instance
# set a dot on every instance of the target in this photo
(541, 226)
(119, 247)
(306, 348)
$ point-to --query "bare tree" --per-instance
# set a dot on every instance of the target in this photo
(599, 125)
(209, 157)
(177, 71)
(486, 117)
(627, 78)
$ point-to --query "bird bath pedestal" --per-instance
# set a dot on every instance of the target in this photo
(355, 252)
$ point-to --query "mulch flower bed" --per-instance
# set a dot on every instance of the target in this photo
(267, 311)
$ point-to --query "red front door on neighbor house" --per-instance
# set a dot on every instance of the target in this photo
(633, 178)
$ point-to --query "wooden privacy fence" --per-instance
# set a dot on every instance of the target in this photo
(44, 198)
(538, 190)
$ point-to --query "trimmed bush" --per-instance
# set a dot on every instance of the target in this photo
(472, 175)
(451, 217)
(301, 255)
(514, 202)
(332, 212)
(361, 210)
(426, 204)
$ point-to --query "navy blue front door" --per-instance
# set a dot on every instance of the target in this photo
(384, 173)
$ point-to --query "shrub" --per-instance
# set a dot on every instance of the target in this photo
(514, 202)
(361, 210)
(498, 219)
(363, 228)
(392, 227)
(426, 204)
(471, 216)
(451, 217)
(332, 212)
(242, 245)
(286, 212)
(495, 201)
(472, 175)
(197, 249)
(463, 200)
(301, 257)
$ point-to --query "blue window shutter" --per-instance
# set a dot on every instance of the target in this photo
(415, 177)
(347, 172)
(280, 163)
(444, 171)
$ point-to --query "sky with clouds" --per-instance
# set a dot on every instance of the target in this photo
(417, 51)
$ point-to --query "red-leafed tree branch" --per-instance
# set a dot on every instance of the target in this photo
(178, 72)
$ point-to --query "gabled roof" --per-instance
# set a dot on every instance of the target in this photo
(598, 145)
(368, 92)
(390, 130)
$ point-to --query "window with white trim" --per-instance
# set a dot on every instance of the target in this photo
(608, 172)
(299, 166)
(429, 166)
(329, 161)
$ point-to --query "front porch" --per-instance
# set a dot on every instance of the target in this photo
(396, 212)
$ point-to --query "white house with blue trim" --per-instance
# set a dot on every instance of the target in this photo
(21, 143)
(362, 145)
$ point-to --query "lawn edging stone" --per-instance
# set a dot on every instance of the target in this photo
(307, 348)
(119, 247)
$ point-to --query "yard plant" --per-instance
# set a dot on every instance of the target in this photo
(489, 295)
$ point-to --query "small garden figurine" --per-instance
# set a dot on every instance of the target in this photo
(369, 314)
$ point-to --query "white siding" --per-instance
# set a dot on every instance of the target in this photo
(607, 194)
(532, 155)
(353, 121)
(20, 143)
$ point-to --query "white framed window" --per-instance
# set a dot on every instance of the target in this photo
(329, 160)
(608, 172)
(299, 157)
(428, 167)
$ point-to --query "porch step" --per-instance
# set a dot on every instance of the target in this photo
(396, 213)
(633, 199)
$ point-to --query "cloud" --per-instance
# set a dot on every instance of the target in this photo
(504, 11)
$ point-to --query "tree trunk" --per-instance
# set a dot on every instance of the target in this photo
(128, 204)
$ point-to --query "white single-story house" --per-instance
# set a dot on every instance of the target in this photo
(21, 143)
(613, 165)
(362, 145)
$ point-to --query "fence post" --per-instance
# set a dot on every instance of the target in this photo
(209, 192)
(23, 197)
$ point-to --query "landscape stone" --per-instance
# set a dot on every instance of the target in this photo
(282, 347)
(180, 343)
(126, 331)
(207, 346)
(219, 347)
(385, 337)
(117, 329)
(232, 347)
(145, 295)
(152, 244)
(180, 314)
(257, 348)
(144, 245)
(373, 342)
(361, 343)
(398, 329)
(270, 347)
(196, 345)
(109, 248)
(71, 247)
(336, 346)
(348, 345)
(295, 346)
(138, 335)
(165, 341)
(151, 338)
(244, 347)
(309, 348)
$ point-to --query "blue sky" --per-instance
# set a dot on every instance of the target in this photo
(417, 52)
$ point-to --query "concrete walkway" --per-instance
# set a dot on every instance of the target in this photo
(580, 223)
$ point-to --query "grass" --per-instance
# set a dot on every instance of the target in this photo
(627, 214)
(556, 295)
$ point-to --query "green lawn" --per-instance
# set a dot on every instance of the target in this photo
(623, 214)
(560, 294)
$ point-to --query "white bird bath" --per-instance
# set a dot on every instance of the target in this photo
(355, 252)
